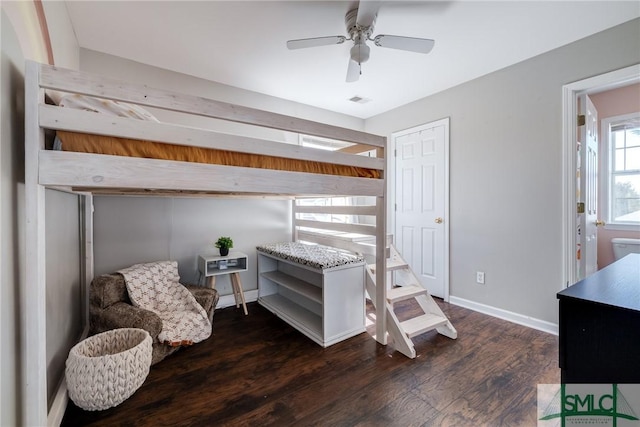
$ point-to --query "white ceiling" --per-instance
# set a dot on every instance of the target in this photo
(242, 43)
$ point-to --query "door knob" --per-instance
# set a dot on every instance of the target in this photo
(600, 223)
(438, 220)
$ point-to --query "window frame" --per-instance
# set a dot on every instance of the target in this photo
(607, 173)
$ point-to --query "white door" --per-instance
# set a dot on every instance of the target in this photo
(421, 193)
(588, 189)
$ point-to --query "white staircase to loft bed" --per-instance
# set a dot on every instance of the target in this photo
(357, 238)
(407, 286)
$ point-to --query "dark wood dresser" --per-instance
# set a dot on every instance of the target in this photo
(600, 326)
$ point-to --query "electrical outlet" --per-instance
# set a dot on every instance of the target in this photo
(480, 277)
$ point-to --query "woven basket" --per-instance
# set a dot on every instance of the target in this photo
(103, 370)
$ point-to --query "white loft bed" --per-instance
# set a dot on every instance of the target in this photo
(86, 174)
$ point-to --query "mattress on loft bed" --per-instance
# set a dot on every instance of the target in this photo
(99, 144)
(316, 256)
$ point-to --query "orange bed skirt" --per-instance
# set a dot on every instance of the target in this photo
(97, 144)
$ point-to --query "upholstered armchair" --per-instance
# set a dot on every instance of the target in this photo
(110, 308)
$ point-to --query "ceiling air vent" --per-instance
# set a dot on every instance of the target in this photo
(359, 100)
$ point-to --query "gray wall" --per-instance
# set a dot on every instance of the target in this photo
(130, 230)
(506, 170)
(64, 302)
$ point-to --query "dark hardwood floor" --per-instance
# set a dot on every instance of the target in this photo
(257, 370)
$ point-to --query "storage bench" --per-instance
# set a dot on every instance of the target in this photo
(316, 289)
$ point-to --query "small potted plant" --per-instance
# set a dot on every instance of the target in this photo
(224, 244)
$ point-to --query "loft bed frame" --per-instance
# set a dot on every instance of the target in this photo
(86, 174)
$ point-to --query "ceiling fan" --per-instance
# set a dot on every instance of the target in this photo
(360, 23)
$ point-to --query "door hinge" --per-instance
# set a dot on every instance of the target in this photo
(580, 207)
(582, 120)
(395, 152)
(395, 207)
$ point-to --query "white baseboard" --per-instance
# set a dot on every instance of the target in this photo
(531, 322)
(229, 300)
(59, 406)
(61, 398)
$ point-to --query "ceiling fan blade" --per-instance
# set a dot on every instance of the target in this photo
(315, 41)
(367, 11)
(353, 72)
(412, 44)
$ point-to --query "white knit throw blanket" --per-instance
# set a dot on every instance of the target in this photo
(155, 286)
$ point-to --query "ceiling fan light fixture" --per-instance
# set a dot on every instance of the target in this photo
(360, 22)
(360, 53)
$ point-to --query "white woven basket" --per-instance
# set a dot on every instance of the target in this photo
(103, 370)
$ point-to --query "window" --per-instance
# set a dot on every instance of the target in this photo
(328, 201)
(333, 145)
(330, 145)
(621, 136)
(323, 143)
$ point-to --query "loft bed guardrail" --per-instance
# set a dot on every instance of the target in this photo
(75, 167)
(86, 173)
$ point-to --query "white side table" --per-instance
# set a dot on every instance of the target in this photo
(211, 266)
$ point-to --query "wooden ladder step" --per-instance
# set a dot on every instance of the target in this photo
(396, 264)
(392, 264)
(404, 292)
(421, 324)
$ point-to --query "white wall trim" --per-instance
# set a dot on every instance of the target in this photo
(59, 405)
(229, 300)
(570, 93)
(520, 319)
(61, 398)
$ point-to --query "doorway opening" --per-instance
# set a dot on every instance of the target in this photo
(570, 94)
